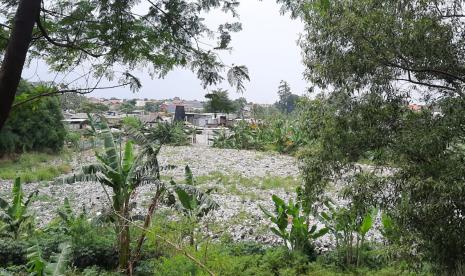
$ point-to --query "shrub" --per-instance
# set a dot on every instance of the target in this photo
(21, 133)
(12, 252)
(300, 235)
(166, 133)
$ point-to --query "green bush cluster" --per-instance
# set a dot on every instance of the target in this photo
(35, 126)
(279, 134)
(423, 193)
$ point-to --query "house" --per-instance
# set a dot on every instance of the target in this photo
(209, 120)
(151, 119)
(75, 121)
(189, 106)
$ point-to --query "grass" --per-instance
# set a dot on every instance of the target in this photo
(33, 167)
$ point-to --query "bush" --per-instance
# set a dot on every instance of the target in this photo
(21, 131)
(166, 133)
(92, 245)
(12, 252)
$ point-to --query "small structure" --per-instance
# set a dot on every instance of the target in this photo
(209, 120)
(151, 119)
(76, 121)
(180, 114)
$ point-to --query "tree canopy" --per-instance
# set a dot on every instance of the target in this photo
(373, 44)
(287, 101)
(218, 101)
(371, 58)
(157, 35)
(37, 126)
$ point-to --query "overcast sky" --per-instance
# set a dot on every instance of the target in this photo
(267, 46)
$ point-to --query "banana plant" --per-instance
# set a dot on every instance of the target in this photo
(121, 170)
(349, 228)
(38, 266)
(192, 202)
(299, 236)
(15, 214)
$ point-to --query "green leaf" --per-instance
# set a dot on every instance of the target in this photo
(386, 221)
(367, 222)
(313, 229)
(185, 199)
(278, 201)
(128, 158)
(266, 212)
(278, 233)
(320, 233)
(16, 208)
(36, 264)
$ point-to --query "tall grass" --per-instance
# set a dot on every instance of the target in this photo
(32, 167)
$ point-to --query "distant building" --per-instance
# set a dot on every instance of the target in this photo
(140, 103)
(189, 106)
(209, 120)
(151, 119)
(75, 121)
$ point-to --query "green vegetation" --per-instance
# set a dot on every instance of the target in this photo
(122, 171)
(22, 133)
(287, 102)
(301, 235)
(32, 167)
(281, 134)
(219, 102)
(359, 54)
(165, 133)
(15, 215)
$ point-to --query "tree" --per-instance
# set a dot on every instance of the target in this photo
(70, 101)
(128, 106)
(218, 101)
(371, 44)
(161, 35)
(122, 171)
(390, 50)
(151, 107)
(287, 101)
(89, 107)
(239, 105)
(36, 126)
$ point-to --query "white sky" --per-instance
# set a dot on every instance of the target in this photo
(266, 45)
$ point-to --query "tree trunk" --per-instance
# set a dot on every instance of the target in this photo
(15, 54)
(124, 238)
(147, 223)
(124, 243)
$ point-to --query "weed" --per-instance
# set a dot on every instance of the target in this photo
(32, 167)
